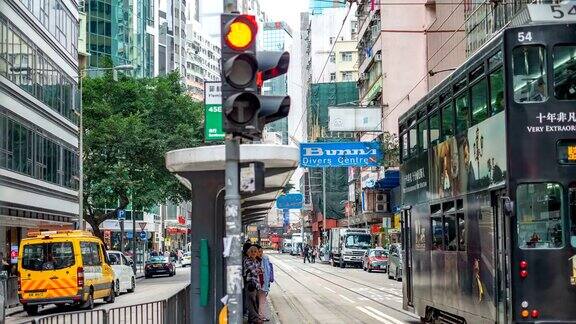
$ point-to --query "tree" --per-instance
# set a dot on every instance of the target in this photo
(129, 125)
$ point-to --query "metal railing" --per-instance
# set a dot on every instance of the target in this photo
(172, 310)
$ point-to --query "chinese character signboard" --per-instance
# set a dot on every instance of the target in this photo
(213, 112)
(340, 154)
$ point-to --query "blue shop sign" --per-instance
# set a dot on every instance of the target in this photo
(290, 201)
(340, 154)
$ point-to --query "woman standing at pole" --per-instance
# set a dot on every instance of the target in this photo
(267, 279)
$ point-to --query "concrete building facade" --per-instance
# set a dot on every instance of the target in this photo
(202, 60)
(38, 118)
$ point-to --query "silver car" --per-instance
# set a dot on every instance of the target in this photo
(395, 264)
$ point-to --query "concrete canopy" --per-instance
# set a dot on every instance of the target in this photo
(280, 161)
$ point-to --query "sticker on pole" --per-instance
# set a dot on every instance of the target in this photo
(213, 112)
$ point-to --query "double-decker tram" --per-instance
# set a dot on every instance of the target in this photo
(488, 179)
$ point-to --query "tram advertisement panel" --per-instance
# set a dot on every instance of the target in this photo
(471, 161)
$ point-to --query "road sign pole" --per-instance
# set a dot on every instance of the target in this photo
(134, 254)
(323, 203)
(233, 230)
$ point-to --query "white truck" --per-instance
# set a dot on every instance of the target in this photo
(296, 244)
(347, 245)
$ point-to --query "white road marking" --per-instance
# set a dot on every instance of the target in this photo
(283, 265)
(369, 313)
(348, 299)
(390, 318)
(330, 290)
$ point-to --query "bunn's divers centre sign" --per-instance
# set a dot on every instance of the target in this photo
(340, 154)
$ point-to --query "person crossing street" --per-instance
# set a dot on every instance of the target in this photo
(306, 253)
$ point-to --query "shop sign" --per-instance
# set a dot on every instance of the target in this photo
(340, 154)
(14, 253)
(181, 220)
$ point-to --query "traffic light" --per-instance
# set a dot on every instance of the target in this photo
(244, 71)
(240, 103)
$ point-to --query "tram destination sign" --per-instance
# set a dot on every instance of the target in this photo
(552, 12)
(340, 154)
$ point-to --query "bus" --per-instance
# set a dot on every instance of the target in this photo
(488, 184)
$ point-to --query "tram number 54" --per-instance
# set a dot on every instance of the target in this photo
(524, 36)
(559, 11)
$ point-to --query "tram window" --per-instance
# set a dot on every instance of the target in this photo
(529, 66)
(460, 85)
(572, 198)
(539, 209)
(437, 234)
(461, 232)
(462, 112)
(450, 232)
(422, 136)
(447, 121)
(495, 60)
(413, 140)
(497, 100)
(404, 141)
(565, 72)
(478, 72)
(434, 128)
(479, 102)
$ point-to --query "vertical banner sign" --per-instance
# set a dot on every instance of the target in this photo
(213, 112)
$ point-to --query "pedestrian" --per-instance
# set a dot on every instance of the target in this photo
(314, 251)
(251, 274)
(306, 253)
(268, 278)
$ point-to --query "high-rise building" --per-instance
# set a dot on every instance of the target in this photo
(122, 33)
(318, 6)
(278, 37)
(38, 118)
(202, 61)
(172, 37)
(324, 36)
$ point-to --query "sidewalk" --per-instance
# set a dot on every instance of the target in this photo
(271, 311)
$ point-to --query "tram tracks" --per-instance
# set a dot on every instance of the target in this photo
(359, 293)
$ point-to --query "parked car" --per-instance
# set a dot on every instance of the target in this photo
(186, 259)
(63, 267)
(159, 265)
(395, 264)
(375, 259)
(124, 278)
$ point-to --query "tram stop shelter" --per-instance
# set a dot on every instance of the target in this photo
(201, 170)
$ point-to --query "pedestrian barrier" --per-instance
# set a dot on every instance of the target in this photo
(172, 310)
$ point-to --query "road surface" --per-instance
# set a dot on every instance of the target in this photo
(319, 293)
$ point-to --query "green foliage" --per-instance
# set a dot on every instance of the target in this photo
(129, 125)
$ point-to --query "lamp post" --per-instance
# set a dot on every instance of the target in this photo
(115, 69)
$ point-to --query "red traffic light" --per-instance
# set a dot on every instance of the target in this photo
(240, 32)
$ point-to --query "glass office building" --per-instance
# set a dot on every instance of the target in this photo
(38, 118)
(117, 31)
(277, 37)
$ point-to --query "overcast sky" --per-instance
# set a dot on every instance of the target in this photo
(286, 10)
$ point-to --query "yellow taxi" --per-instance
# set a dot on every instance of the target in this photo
(63, 267)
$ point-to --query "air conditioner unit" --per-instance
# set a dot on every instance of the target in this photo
(381, 198)
(378, 57)
(381, 208)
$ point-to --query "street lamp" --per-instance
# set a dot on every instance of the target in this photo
(125, 67)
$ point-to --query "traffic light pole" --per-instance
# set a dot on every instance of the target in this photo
(233, 230)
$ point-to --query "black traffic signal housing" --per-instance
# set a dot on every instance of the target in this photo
(240, 103)
(244, 71)
(272, 108)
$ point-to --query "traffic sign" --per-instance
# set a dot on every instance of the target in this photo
(290, 201)
(143, 235)
(142, 225)
(121, 214)
(213, 112)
